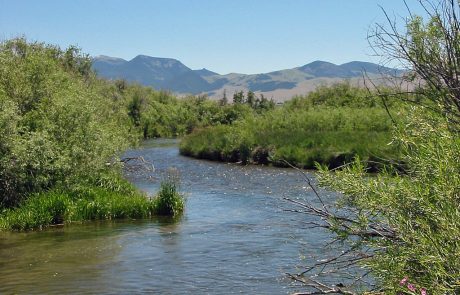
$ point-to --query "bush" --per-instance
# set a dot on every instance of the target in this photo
(55, 127)
(160, 114)
(415, 215)
(61, 132)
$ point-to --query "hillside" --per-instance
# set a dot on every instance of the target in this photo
(170, 74)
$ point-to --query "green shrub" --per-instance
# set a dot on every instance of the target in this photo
(419, 210)
(56, 128)
(161, 114)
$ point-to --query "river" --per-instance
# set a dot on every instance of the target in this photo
(234, 238)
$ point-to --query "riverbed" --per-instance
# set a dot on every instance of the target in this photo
(235, 237)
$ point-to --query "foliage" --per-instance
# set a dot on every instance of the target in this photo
(330, 126)
(341, 95)
(429, 50)
(257, 103)
(160, 114)
(62, 130)
(55, 127)
(414, 216)
(82, 203)
(168, 201)
(403, 228)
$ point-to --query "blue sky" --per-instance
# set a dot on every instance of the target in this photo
(244, 36)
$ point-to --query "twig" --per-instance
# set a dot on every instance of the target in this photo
(305, 176)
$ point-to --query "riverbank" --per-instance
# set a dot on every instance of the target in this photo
(331, 126)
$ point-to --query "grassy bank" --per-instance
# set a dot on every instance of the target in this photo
(330, 126)
(91, 203)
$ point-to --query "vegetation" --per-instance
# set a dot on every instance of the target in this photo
(168, 201)
(56, 128)
(62, 130)
(331, 126)
(160, 114)
(260, 104)
(91, 203)
(411, 220)
(403, 227)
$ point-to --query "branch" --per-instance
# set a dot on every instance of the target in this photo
(318, 286)
(305, 176)
(144, 164)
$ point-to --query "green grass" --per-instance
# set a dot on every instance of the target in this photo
(329, 136)
(90, 203)
(169, 201)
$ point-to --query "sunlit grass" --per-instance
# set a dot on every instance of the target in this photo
(303, 137)
(90, 203)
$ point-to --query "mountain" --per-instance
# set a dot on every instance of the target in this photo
(325, 69)
(171, 74)
(360, 67)
(160, 73)
(205, 72)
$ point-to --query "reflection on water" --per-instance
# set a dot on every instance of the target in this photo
(234, 238)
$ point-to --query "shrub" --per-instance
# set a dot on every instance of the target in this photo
(414, 216)
(55, 127)
(301, 136)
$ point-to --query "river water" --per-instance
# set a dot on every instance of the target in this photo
(234, 238)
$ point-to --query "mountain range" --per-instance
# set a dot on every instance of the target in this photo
(172, 75)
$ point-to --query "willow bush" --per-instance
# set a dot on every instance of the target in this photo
(417, 212)
(55, 128)
(403, 226)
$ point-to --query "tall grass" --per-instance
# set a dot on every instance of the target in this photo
(90, 203)
(168, 201)
(328, 135)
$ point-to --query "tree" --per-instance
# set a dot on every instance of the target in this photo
(224, 100)
(265, 104)
(251, 99)
(238, 97)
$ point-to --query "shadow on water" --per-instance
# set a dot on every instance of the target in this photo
(233, 238)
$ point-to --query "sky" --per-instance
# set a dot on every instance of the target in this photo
(242, 36)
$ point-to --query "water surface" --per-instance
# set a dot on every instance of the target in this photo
(234, 238)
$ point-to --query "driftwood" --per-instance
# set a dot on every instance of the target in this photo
(137, 163)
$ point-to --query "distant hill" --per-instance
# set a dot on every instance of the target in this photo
(160, 73)
(170, 74)
(205, 72)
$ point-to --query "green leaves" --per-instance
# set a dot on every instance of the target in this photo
(56, 127)
(421, 206)
(168, 202)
